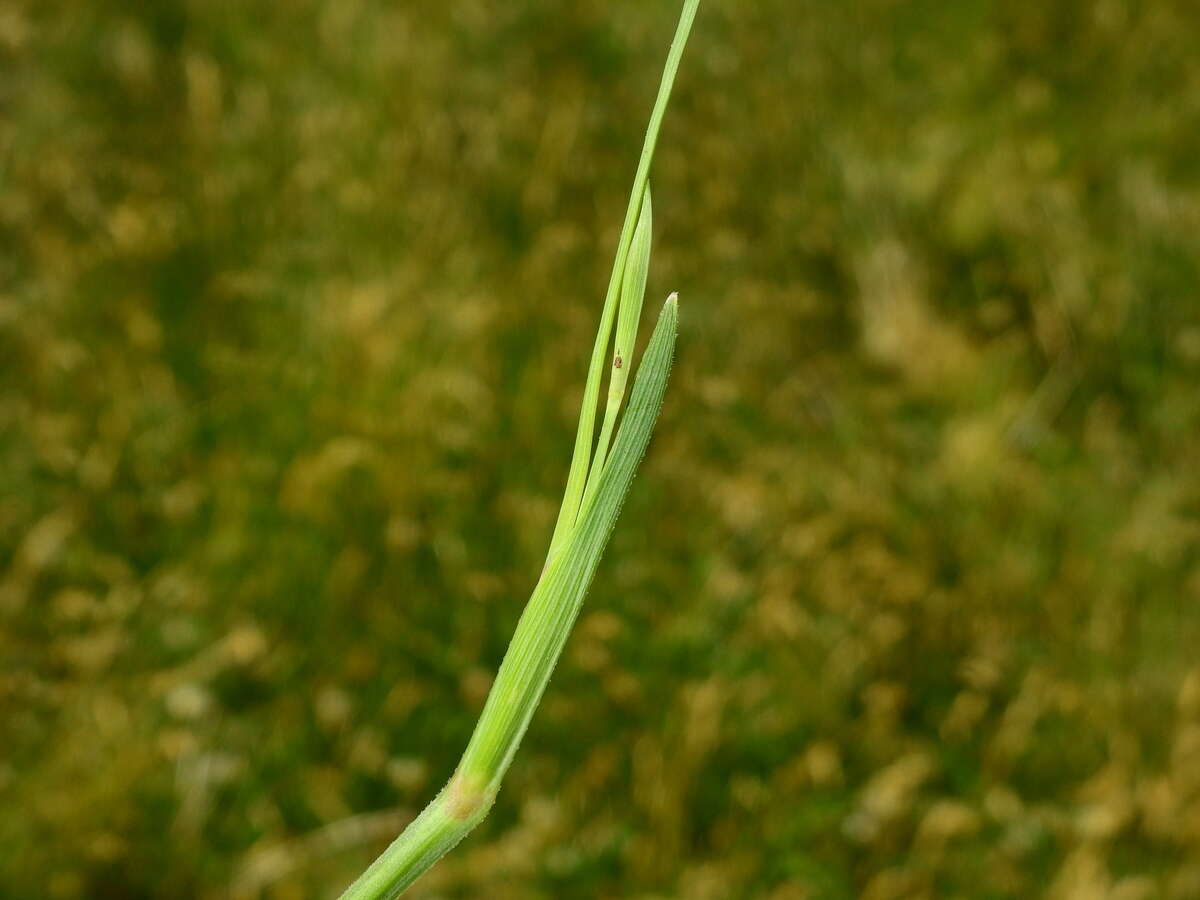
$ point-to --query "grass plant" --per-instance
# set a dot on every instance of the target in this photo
(598, 480)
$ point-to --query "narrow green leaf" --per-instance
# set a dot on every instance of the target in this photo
(551, 610)
(578, 473)
(633, 292)
(535, 647)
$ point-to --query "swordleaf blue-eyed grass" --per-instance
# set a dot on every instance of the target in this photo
(598, 480)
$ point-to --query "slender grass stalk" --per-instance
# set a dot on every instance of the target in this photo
(596, 488)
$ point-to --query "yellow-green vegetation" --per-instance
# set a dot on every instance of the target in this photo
(294, 302)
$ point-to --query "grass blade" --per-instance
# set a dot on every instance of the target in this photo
(534, 649)
(578, 473)
(596, 488)
(633, 292)
(551, 610)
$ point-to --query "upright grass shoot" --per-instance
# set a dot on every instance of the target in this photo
(597, 483)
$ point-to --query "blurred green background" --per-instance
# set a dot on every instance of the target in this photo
(295, 305)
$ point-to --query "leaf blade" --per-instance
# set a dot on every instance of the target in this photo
(546, 621)
(577, 475)
(629, 314)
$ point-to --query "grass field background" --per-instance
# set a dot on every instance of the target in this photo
(295, 305)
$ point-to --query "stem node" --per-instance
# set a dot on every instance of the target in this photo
(468, 797)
